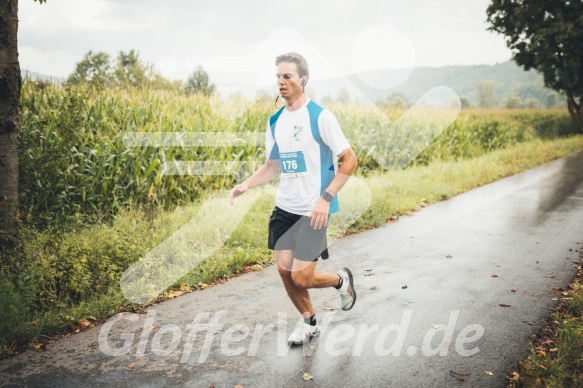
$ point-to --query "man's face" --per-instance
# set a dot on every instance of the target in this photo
(289, 82)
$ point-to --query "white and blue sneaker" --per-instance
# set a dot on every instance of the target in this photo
(346, 291)
(302, 334)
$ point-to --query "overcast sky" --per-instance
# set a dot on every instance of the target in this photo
(241, 38)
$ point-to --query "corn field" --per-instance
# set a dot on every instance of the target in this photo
(74, 160)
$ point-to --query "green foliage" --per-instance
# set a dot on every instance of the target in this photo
(546, 124)
(485, 94)
(556, 358)
(14, 309)
(56, 278)
(127, 70)
(531, 103)
(544, 35)
(512, 101)
(343, 96)
(74, 160)
(94, 68)
(398, 100)
(199, 82)
(547, 36)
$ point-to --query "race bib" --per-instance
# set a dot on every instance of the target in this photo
(292, 164)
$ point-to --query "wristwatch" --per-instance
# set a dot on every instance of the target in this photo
(327, 196)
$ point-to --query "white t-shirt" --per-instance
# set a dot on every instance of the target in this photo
(308, 164)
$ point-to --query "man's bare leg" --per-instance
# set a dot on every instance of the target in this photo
(300, 297)
(298, 276)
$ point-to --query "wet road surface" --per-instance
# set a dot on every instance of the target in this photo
(459, 286)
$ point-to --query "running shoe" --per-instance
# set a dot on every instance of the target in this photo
(347, 293)
(302, 334)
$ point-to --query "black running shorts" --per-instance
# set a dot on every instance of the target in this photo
(288, 231)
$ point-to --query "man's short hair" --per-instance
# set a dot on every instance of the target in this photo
(297, 59)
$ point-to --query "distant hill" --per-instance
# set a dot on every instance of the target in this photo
(38, 76)
(508, 78)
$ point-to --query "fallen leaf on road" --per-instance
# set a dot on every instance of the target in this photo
(256, 267)
(435, 325)
(368, 269)
(514, 376)
(329, 309)
(174, 294)
(494, 275)
(84, 322)
(131, 366)
(460, 376)
(514, 290)
(505, 305)
(405, 286)
(449, 257)
(489, 373)
(238, 386)
(308, 377)
(212, 386)
(549, 277)
(554, 290)
(373, 288)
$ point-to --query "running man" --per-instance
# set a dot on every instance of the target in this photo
(303, 144)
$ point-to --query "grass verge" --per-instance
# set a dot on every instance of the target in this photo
(555, 358)
(88, 263)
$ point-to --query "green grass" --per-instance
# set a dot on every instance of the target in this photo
(555, 358)
(61, 278)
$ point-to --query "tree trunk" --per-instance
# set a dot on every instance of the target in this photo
(10, 81)
(575, 110)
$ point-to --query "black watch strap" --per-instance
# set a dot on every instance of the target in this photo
(327, 196)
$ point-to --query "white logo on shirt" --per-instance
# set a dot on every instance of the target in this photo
(298, 132)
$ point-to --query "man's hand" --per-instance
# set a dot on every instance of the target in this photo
(237, 191)
(320, 214)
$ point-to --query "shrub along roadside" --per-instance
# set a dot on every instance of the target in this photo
(555, 358)
(63, 279)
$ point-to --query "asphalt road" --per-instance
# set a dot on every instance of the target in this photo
(453, 314)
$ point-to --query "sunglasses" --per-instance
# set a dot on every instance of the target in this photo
(284, 76)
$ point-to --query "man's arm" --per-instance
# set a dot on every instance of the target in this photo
(349, 164)
(267, 172)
